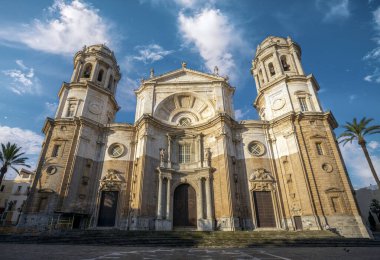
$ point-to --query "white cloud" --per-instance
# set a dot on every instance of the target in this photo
(374, 55)
(373, 145)
(334, 9)
(213, 36)
(240, 114)
(125, 94)
(23, 80)
(151, 53)
(29, 141)
(68, 28)
(357, 165)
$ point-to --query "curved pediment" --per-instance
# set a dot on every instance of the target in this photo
(184, 109)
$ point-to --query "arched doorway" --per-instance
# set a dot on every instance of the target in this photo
(185, 206)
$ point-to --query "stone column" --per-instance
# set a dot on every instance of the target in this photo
(279, 63)
(168, 198)
(169, 151)
(264, 70)
(159, 198)
(76, 73)
(199, 151)
(200, 199)
(94, 74)
(208, 198)
(108, 75)
(298, 63)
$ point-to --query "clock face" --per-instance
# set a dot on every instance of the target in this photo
(277, 104)
(116, 150)
(95, 108)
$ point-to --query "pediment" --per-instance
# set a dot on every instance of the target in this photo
(333, 189)
(185, 75)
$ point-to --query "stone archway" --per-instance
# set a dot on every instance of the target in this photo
(184, 206)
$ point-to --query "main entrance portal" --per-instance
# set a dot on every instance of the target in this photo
(264, 209)
(107, 210)
(185, 206)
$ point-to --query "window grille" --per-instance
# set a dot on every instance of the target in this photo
(303, 104)
(184, 153)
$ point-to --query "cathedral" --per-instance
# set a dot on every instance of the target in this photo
(185, 162)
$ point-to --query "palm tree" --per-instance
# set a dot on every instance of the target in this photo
(357, 131)
(10, 157)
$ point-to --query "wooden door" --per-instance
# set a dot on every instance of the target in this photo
(264, 209)
(107, 209)
(185, 206)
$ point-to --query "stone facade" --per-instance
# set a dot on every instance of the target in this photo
(186, 162)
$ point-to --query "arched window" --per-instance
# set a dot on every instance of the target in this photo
(284, 63)
(271, 69)
(87, 71)
(100, 75)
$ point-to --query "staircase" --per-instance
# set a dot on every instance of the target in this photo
(237, 239)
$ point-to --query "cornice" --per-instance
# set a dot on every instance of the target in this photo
(91, 85)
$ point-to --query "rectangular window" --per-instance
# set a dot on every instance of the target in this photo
(303, 104)
(184, 153)
(55, 150)
(336, 205)
(71, 110)
(2, 188)
(19, 188)
(319, 148)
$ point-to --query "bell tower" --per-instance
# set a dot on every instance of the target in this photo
(281, 83)
(91, 91)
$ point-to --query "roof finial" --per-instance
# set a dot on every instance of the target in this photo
(183, 64)
(216, 71)
(151, 73)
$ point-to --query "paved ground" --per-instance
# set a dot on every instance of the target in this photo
(68, 252)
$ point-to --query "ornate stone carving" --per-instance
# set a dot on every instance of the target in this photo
(261, 180)
(111, 181)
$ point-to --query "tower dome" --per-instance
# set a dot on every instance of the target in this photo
(97, 64)
(276, 57)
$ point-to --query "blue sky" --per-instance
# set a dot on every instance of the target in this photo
(340, 41)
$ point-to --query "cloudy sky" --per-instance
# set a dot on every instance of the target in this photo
(340, 42)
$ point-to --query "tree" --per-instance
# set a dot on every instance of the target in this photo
(10, 157)
(357, 131)
(375, 208)
(371, 221)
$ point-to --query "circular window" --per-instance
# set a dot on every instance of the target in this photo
(327, 167)
(116, 150)
(256, 148)
(185, 121)
(51, 170)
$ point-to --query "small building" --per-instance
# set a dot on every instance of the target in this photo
(13, 194)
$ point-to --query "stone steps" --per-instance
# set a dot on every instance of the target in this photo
(189, 239)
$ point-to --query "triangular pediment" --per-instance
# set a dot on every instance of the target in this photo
(185, 75)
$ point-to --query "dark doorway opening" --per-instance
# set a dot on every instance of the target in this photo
(185, 206)
(298, 222)
(107, 209)
(264, 209)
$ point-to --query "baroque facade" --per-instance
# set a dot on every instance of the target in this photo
(186, 162)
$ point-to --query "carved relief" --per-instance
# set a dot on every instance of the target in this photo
(261, 180)
(111, 181)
